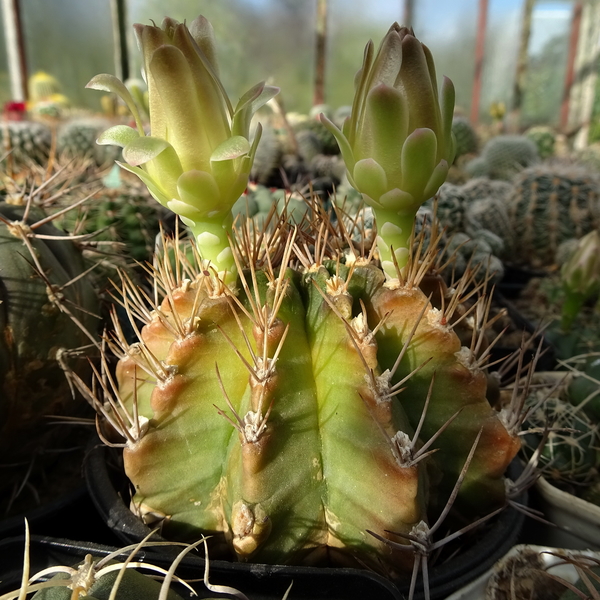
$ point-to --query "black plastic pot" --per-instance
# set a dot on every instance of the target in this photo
(516, 279)
(269, 582)
(547, 361)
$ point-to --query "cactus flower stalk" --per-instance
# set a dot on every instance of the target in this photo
(197, 159)
(397, 142)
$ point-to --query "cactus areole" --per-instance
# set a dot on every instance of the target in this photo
(287, 410)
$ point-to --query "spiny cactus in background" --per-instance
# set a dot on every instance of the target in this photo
(504, 156)
(486, 209)
(491, 214)
(42, 86)
(77, 138)
(477, 167)
(47, 306)
(309, 145)
(324, 138)
(45, 97)
(451, 207)
(267, 158)
(584, 388)
(466, 136)
(455, 203)
(544, 138)
(569, 456)
(27, 142)
(483, 187)
(550, 205)
(127, 216)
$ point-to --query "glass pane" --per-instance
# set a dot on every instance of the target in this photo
(350, 26)
(501, 53)
(450, 31)
(71, 40)
(548, 52)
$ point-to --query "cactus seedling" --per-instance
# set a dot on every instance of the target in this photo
(353, 376)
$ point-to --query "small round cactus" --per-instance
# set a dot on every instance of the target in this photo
(27, 141)
(507, 155)
(550, 205)
(466, 136)
(544, 138)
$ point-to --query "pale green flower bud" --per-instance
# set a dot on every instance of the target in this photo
(397, 143)
(580, 277)
(198, 157)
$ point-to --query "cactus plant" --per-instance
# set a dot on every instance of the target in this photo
(127, 216)
(550, 205)
(267, 157)
(77, 138)
(47, 306)
(569, 456)
(324, 139)
(504, 156)
(466, 137)
(290, 404)
(544, 138)
(27, 141)
(41, 285)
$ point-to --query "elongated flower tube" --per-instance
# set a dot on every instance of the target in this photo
(197, 159)
(397, 142)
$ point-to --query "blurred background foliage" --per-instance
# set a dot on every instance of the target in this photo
(275, 40)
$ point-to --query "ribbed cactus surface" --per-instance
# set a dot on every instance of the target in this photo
(77, 138)
(28, 141)
(551, 205)
(506, 155)
(41, 281)
(466, 136)
(271, 421)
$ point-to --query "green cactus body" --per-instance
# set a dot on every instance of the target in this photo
(584, 389)
(466, 137)
(549, 206)
(324, 138)
(319, 455)
(29, 141)
(267, 157)
(453, 369)
(77, 138)
(33, 326)
(570, 453)
(133, 585)
(124, 216)
(451, 207)
(544, 138)
(506, 155)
